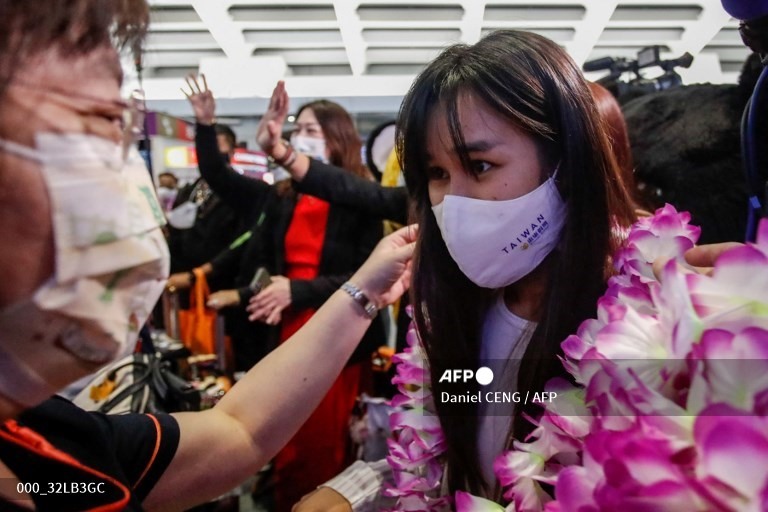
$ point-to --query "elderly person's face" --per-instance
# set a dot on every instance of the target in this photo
(46, 95)
(49, 93)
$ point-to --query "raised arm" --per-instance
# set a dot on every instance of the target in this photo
(264, 410)
(242, 194)
(327, 182)
(338, 186)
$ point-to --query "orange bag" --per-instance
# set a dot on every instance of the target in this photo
(197, 325)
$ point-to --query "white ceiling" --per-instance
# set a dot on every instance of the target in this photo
(365, 53)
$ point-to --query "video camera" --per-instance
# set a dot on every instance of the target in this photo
(639, 85)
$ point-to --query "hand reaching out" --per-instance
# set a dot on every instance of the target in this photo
(386, 274)
(700, 258)
(179, 281)
(201, 99)
(703, 257)
(223, 299)
(323, 499)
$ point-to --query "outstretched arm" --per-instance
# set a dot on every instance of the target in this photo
(338, 186)
(264, 410)
(241, 193)
(327, 182)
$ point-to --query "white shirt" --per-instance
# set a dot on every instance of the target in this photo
(505, 338)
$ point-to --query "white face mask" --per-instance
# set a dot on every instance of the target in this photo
(166, 196)
(183, 216)
(310, 146)
(496, 243)
(111, 263)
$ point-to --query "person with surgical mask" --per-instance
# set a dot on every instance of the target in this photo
(309, 247)
(307, 135)
(507, 162)
(85, 264)
(201, 225)
(167, 190)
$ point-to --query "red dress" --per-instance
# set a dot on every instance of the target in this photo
(318, 450)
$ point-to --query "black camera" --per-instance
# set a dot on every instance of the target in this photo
(625, 90)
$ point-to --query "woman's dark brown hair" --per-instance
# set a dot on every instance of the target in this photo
(532, 82)
(71, 27)
(341, 137)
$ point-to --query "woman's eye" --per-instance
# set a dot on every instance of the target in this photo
(480, 166)
(436, 173)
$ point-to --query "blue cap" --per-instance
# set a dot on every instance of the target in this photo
(746, 9)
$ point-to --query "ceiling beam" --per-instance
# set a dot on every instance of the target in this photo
(589, 30)
(712, 19)
(472, 23)
(229, 36)
(351, 34)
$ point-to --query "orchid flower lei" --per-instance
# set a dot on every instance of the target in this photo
(670, 411)
(417, 443)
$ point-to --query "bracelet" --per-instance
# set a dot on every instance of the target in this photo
(288, 158)
(369, 307)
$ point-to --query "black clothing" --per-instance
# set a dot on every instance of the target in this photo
(391, 203)
(216, 225)
(349, 239)
(345, 189)
(251, 341)
(83, 460)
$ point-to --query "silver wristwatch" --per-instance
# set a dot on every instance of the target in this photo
(370, 308)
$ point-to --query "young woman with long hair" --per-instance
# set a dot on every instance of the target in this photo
(516, 193)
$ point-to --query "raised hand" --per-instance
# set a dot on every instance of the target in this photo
(201, 99)
(270, 128)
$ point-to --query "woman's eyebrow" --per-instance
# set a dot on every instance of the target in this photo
(471, 147)
(480, 145)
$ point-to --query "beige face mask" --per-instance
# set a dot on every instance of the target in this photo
(111, 265)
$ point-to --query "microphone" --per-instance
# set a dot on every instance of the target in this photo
(684, 61)
(598, 64)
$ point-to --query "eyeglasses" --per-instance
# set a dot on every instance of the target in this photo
(129, 113)
(133, 120)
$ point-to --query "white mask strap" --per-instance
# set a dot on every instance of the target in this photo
(20, 150)
(554, 173)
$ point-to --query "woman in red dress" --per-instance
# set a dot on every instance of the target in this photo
(325, 132)
(310, 248)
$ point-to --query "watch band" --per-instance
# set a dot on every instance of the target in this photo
(369, 307)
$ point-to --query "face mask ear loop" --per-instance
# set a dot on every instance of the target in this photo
(553, 177)
(20, 150)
